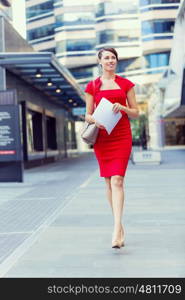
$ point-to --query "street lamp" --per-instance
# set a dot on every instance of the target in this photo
(49, 82)
(58, 90)
(38, 73)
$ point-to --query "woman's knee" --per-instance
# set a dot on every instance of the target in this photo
(117, 181)
(108, 182)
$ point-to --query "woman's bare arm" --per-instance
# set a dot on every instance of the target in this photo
(132, 108)
(89, 108)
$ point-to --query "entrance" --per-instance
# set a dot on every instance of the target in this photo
(174, 131)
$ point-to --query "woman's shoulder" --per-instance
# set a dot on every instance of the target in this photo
(89, 88)
(122, 79)
(94, 81)
(92, 85)
(124, 82)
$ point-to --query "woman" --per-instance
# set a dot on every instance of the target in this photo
(113, 151)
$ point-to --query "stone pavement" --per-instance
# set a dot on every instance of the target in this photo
(58, 222)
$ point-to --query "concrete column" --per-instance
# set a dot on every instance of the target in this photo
(2, 49)
(155, 122)
(81, 146)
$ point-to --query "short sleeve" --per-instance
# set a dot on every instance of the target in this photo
(129, 85)
(89, 88)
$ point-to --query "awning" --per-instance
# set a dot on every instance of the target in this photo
(43, 71)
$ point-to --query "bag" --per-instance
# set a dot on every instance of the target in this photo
(90, 131)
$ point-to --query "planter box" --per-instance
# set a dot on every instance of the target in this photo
(146, 157)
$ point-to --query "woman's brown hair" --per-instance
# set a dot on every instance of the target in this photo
(107, 49)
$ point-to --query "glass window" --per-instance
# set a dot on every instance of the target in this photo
(124, 64)
(79, 3)
(75, 45)
(82, 72)
(59, 20)
(79, 18)
(80, 45)
(59, 1)
(117, 35)
(149, 2)
(158, 59)
(147, 27)
(43, 31)
(106, 36)
(120, 7)
(157, 26)
(127, 35)
(48, 50)
(60, 46)
(34, 131)
(39, 9)
(116, 7)
(51, 133)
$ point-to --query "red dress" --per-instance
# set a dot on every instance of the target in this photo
(113, 151)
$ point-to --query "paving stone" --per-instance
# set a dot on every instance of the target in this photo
(77, 243)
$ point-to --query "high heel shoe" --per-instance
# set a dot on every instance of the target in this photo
(116, 244)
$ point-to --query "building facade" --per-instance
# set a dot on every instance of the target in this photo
(76, 30)
(140, 30)
(174, 84)
(157, 27)
(157, 31)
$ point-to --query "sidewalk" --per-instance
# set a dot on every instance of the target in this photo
(58, 222)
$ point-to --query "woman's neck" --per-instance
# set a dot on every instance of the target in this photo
(108, 75)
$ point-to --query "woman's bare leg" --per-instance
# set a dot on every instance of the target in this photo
(117, 203)
(109, 190)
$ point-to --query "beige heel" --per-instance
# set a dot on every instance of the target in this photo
(116, 244)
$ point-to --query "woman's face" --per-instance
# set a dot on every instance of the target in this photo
(108, 61)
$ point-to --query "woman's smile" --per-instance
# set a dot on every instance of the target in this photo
(111, 65)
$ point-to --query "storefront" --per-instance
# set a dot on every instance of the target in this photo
(175, 120)
(46, 94)
(48, 126)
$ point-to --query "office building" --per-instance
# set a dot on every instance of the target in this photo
(174, 85)
(157, 31)
(140, 30)
(76, 30)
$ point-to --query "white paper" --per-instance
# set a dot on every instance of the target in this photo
(104, 115)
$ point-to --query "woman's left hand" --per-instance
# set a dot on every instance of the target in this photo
(116, 107)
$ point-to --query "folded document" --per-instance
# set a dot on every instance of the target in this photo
(104, 115)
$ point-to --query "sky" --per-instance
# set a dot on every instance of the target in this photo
(19, 21)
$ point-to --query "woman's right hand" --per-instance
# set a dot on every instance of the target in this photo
(99, 125)
(91, 120)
